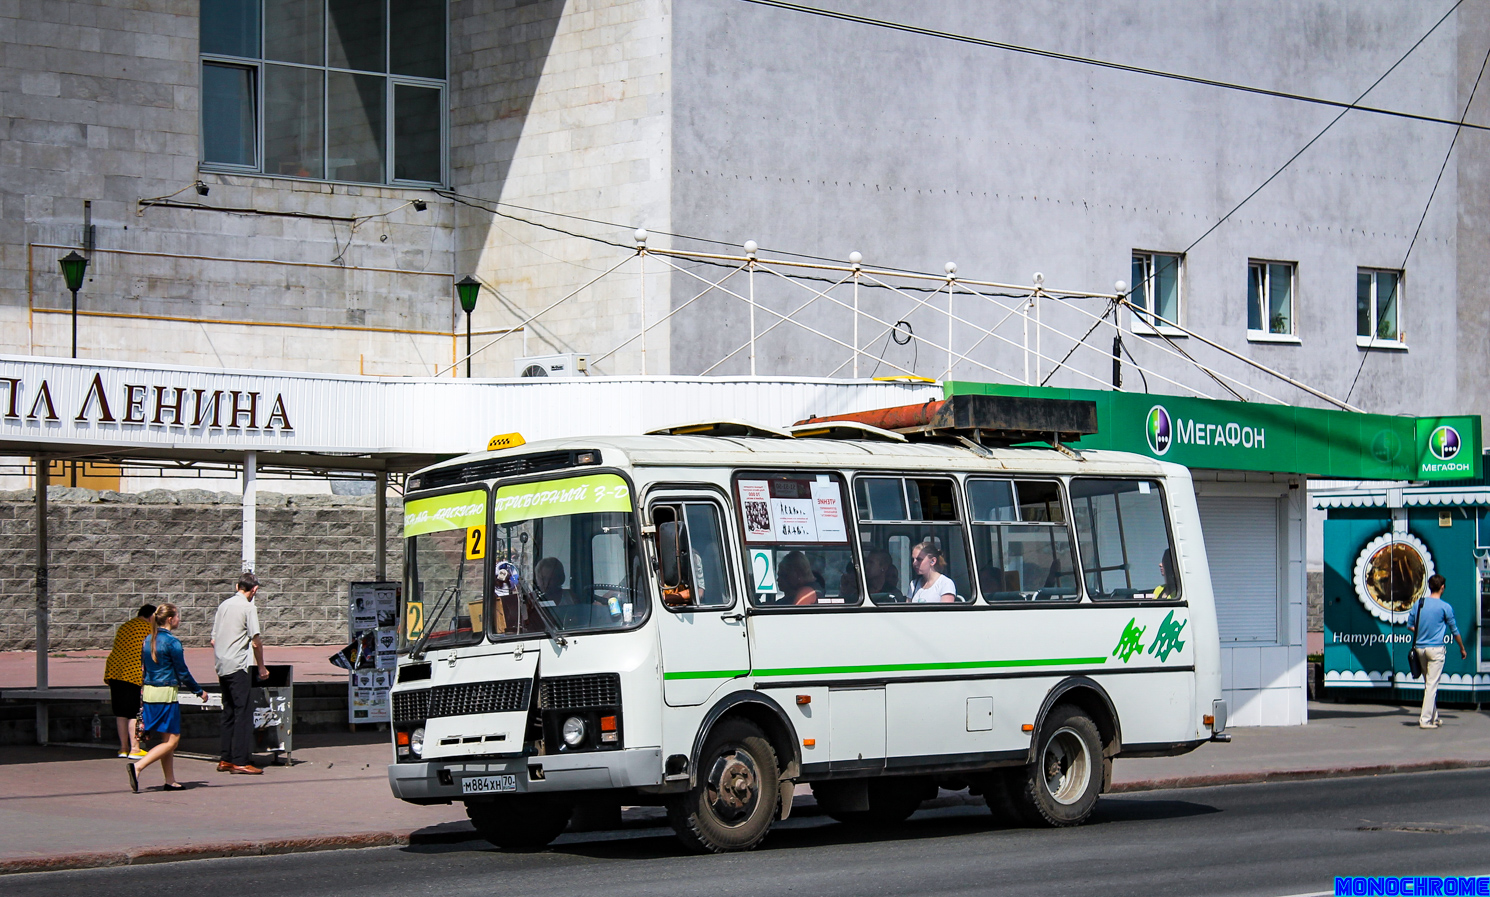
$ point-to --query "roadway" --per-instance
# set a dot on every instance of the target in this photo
(1262, 840)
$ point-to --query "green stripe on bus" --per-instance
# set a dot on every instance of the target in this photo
(707, 674)
(889, 668)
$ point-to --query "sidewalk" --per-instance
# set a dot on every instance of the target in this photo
(71, 808)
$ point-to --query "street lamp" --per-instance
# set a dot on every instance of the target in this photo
(468, 288)
(74, 266)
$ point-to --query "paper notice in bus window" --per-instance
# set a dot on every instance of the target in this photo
(828, 512)
(793, 520)
(755, 507)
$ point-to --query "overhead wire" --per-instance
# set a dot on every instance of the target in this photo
(1100, 63)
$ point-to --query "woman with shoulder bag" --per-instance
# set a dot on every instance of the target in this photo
(165, 673)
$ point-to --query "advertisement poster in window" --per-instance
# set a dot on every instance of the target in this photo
(755, 507)
(827, 508)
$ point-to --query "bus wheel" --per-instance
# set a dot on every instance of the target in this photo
(523, 822)
(1061, 786)
(734, 800)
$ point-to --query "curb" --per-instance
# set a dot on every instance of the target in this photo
(217, 849)
(357, 840)
(1293, 775)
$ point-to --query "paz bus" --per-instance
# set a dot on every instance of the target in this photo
(705, 617)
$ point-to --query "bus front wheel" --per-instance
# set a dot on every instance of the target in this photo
(1061, 787)
(733, 801)
(520, 822)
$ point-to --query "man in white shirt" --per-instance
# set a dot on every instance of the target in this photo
(237, 647)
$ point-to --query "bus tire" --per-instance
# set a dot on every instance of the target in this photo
(520, 822)
(1061, 787)
(732, 803)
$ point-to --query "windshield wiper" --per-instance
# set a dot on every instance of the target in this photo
(417, 652)
(531, 596)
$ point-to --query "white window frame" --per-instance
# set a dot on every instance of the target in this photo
(390, 83)
(1373, 341)
(1142, 325)
(1267, 336)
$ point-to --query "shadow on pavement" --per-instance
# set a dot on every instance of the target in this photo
(643, 842)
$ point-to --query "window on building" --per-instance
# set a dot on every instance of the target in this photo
(1270, 301)
(339, 90)
(1156, 288)
(1378, 315)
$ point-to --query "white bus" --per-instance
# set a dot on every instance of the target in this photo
(706, 621)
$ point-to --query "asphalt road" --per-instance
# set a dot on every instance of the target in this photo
(1267, 840)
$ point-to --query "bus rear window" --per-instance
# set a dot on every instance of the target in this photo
(1123, 534)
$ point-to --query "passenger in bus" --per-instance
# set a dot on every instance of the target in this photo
(928, 584)
(1170, 587)
(796, 580)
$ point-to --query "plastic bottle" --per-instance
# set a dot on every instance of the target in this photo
(97, 728)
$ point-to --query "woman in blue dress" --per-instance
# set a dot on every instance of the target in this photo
(165, 674)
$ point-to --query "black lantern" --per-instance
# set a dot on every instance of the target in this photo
(74, 266)
(468, 289)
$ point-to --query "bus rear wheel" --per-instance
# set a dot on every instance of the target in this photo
(734, 799)
(520, 822)
(1061, 787)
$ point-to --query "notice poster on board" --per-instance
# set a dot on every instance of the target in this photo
(793, 510)
(372, 617)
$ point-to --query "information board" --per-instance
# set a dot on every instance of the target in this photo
(372, 621)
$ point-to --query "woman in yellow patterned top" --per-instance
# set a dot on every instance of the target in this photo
(123, 674)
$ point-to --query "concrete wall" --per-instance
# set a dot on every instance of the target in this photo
(110, 553)
(562, 109)
(823, 137)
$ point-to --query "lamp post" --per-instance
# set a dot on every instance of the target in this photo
(74, 266)
(468, 288)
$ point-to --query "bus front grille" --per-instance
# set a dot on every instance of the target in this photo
(505, 696)
(573, 692)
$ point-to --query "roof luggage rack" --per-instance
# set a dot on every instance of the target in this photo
(996, 420)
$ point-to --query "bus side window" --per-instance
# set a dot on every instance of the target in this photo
(1021, 541)
(1123, 533)
(899, 520)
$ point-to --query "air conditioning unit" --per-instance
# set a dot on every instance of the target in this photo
(566, 365)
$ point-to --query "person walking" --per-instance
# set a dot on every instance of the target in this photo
(237, 648)
(1428, 622)
(123, 674)
(165, 673)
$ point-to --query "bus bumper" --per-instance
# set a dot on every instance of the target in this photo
(439, 781)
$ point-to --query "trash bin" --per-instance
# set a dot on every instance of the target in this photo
(274, 713)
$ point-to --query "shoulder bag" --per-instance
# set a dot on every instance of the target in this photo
(1414, 665)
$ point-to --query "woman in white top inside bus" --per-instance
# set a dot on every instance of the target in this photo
(928, 584)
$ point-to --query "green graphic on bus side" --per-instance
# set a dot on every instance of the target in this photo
(458, 510)
(1131, 641)
(556, 498)
(1168, 638)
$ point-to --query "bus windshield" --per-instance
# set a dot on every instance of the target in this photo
(444, 546)
(565, 558)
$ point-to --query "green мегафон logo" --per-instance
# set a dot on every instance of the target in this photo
(1159, 430)
(1444, 443)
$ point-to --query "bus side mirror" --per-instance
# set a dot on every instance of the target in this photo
(670, 554)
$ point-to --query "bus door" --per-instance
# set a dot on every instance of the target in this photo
(701, 620)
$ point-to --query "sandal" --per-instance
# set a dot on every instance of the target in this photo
(134, 779)
(174, 786)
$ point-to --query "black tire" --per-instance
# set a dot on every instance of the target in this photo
(1061, 787)
(521, 822)
(891, 801)
(736, 796)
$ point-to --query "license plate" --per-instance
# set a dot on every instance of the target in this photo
(488, 784)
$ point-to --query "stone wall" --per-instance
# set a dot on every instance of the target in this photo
(112, 552)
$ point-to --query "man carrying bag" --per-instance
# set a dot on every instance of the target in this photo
(1428, 622)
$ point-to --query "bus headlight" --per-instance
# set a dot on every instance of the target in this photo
(416, 742)
(574, 731)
